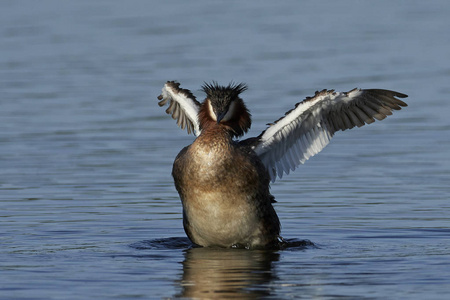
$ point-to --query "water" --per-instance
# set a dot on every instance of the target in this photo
(87, 204)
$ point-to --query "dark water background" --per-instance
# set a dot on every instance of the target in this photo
(87, 205)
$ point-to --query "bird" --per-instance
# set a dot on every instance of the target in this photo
(224, 182)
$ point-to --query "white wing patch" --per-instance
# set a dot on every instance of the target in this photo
(183, 106)
(308, 128)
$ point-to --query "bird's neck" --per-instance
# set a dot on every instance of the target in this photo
(213, 132)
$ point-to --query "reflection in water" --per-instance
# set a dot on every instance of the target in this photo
(225, 273)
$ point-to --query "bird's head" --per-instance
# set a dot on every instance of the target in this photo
(224, 107)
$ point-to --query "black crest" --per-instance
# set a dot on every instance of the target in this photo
(223, 95)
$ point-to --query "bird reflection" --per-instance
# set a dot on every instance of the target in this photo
(225, 273)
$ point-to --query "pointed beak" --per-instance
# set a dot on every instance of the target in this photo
(220, 116)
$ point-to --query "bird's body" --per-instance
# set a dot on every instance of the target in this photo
(224, 189)
(224, 184)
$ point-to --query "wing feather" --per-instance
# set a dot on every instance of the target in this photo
(305, 130)
(183, 107)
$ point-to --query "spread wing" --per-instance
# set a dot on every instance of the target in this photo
(305, 130)
(183, 106)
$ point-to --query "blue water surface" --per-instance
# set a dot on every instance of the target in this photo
(88, 209)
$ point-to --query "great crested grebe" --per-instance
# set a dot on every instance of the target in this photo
(223, 183)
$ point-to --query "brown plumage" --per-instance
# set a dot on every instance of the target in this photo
(224, 184)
